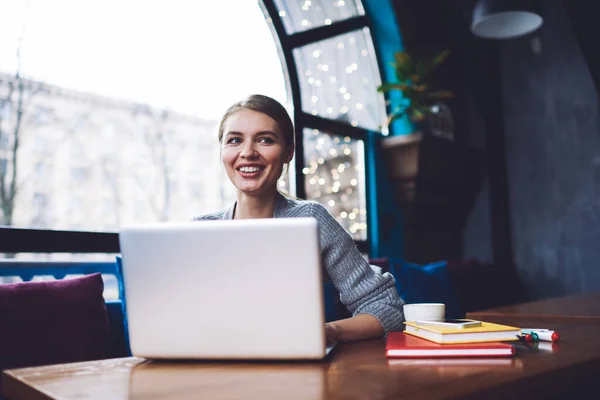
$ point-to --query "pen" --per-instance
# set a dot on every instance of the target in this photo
(524, 342)
(541, 334)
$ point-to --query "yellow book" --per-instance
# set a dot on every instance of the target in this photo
(487, 332)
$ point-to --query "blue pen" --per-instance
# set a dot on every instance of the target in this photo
(541, 334)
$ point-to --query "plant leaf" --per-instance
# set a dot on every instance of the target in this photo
(394, 116)
(386, 87)
(437, 60)
(404, 65)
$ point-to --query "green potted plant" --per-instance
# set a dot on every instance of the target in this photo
(421, 105)
(412, 79)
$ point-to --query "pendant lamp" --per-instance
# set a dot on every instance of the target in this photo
(505, 19)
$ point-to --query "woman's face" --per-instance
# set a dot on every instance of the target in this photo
(253, 151)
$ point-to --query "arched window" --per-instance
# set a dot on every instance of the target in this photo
(328, 50)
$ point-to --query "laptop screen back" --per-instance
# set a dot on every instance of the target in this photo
(241, 289)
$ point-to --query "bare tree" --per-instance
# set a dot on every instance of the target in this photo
(13, 106)
(111, 177)
(159, 146)
(158, 149)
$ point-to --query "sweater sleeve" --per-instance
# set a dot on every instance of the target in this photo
(363, 288)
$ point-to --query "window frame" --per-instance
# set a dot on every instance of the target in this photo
(287, 44)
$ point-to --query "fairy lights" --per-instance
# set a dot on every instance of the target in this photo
(342, 74)
(298, 15)
(337, 77)
(332, 178)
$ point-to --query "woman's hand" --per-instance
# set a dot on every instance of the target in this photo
(363, 326)
(331, 332)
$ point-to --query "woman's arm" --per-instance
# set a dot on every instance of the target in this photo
(369, 294)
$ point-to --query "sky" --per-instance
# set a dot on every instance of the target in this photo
(192, 56)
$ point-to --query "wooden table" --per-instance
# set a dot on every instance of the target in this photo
(580, 309)
(353, 371)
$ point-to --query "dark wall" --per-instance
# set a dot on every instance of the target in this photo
(532, 106)
(449, 170)
(552, 143)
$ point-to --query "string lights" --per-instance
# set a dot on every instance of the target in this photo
(299, 15)
(338, 77)
(338, 80)
(334, 176)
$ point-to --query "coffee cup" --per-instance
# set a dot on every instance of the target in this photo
(424, 312)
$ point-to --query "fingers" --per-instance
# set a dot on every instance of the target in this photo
(330, 331)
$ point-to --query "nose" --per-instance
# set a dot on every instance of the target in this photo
(248, 150)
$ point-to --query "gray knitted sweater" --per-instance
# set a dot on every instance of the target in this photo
(362, 287)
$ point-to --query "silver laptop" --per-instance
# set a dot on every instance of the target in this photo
(238, 289)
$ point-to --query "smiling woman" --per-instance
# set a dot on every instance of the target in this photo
(256, 136)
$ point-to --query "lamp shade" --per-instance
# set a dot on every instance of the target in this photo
(504, 19)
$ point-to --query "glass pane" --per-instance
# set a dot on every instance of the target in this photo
(301, 15)
(118, 126)
(335, 177)
(339, 78)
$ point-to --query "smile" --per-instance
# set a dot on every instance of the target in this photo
(249, 169)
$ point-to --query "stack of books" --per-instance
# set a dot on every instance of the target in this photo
(419, 341)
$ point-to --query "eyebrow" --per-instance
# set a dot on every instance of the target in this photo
(267, 133)
(236, 133)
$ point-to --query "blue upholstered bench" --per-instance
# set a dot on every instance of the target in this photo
(28, 270)
(116, 308)
(415, 283)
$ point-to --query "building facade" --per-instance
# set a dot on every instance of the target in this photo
(85, 162)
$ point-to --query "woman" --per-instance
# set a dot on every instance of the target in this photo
(257, 140)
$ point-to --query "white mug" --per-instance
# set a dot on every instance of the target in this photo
(424, 312)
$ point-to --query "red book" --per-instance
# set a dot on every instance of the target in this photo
(402, 345)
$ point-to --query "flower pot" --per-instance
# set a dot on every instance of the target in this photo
(402, 159)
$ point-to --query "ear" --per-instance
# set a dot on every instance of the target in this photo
(289, 155)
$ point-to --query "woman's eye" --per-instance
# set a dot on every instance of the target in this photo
(233, 141)
(266, 140)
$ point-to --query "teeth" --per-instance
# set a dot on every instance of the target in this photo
(249, 169)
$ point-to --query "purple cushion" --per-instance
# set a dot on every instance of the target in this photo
(53, 322)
